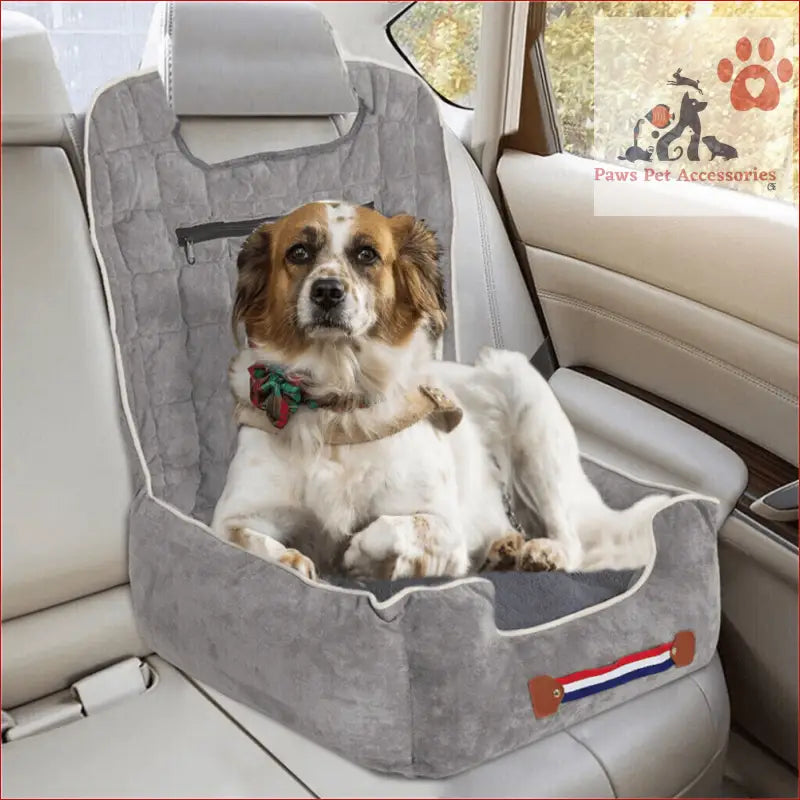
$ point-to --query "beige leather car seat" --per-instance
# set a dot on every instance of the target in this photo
(66, 483)
(143, 728)
(66, 489)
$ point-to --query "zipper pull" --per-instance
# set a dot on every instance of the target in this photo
(188, 250)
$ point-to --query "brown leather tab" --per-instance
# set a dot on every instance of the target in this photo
(682, 650)
(546, 695)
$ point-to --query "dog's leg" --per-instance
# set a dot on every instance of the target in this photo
(251, 512)
(259, 537)
(406, 546)
(584, 533)
(545, 461)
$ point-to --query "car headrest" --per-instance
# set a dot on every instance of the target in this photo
(34, 96)
(253, 59)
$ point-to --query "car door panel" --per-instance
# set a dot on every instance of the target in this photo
(707, 320)
(758, 637)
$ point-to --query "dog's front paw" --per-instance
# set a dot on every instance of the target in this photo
(358, 563)
(402, 547)
(297, 561)
(373, 552)
(542, 555)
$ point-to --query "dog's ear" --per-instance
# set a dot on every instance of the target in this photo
(254, 265)
(419, 280)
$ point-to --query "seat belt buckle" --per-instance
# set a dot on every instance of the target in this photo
(86, 697)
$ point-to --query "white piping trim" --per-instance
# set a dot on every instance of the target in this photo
(453, 222)
(169, 32)
(668, 487)
(447, 142)
(374, 602)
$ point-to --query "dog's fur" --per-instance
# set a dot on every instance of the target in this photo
(420, 502)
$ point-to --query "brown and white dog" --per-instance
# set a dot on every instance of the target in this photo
(338, 468)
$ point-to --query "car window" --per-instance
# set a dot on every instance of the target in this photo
(706, 91)
(440, 41)
(93, 42)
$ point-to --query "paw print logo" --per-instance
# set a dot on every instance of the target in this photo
(755, 86)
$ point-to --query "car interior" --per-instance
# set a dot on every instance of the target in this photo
(670, 342)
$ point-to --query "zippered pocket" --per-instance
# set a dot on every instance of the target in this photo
(190, 235)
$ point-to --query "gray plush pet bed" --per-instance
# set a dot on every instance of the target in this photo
(421, 680)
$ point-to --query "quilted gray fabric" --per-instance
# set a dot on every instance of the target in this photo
(425, 684)
(175, 317)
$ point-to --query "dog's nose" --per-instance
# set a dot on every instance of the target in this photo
(327, 293)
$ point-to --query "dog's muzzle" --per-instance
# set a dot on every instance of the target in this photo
(327, 296)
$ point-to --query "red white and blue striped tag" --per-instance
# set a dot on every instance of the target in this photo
(548, 693)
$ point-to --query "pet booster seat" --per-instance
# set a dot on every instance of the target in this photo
(425, 678)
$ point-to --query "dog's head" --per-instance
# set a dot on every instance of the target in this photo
(690, 109)
(334, 271)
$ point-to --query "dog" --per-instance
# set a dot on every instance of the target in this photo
(359, 452)
(689, 117)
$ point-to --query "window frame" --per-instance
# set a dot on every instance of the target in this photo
(402, 53)
(539, 124)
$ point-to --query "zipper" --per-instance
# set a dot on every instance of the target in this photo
(190, 235)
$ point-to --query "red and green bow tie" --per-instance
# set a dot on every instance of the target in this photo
(280, 394)
(277, 392)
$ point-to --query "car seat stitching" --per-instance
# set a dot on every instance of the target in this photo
(706, 700)
(666, 339)
(692, 783)
(488, 275)
(451, 298)
(169, 31)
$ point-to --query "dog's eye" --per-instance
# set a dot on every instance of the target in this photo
(366, 255)
(298, 254)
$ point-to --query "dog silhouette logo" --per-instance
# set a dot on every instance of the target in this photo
(660, 117)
